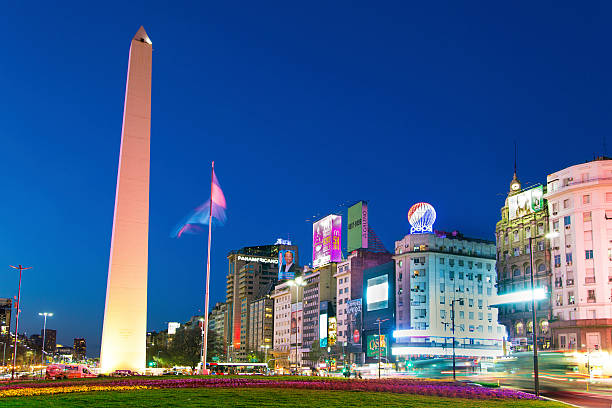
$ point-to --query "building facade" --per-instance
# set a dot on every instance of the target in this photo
(320, 287)
(261, 324)
(79, 349)
(436, 275)
(253, 271)
(50, 337)
(349, 283)
(287, 324)
(523, 228)
(580, 203)
(6, 306)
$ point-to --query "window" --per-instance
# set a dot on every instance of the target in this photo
(566, 203)
(540, 245)
(480, 303)
(471, 302)
(526, 249)
(570, 298)
(506, 238)
(591, 296)
(540, 228)
(557, 261)
(586, 216)
(480, 316)
(442, 300)
(471, 315)
(461, 314)
(555, 207)
(568, 258)
(567, 220)
(516, 236)
(441, 287)
(527, 232)
(441, 261)
(516, 252)
(559, 300)
(556, 225)
(442, 314)
(608, 197)
(588, 254)
(586, 199)
(516, 272)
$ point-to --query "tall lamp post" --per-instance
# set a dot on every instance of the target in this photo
(202, 349)
(380, 321)
(20, 268)
(453, 332)
(300, 283)
(534, 326)
(42, 349)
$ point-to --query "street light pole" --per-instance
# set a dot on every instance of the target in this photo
(42, 349)
(21, 268)
(534, 325)
(453, 332)
(379, 321)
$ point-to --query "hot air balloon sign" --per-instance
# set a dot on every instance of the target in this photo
(421, 217)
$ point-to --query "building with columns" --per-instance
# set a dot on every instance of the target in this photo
(523, 228)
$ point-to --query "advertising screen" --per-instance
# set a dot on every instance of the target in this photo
(286, 264)
(525, 203)
(323, 330)
(326, 239)
(331, 331)
(353, 323)
(377, 293)
(373, 345)
(357, 236)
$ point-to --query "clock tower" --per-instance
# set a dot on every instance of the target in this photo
(515, 184)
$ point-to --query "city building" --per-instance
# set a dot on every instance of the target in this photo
(6, 306)
(261, 324)
(63, 354)
(349, 283)
(216, 321)
(287, 324)
(438, 274)
(50, 337)
(251, 270)
(580, 206)
(79, 349)
(320, 287)
(521, 230)
(378, 310)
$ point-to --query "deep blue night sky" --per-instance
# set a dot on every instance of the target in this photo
(302, 108)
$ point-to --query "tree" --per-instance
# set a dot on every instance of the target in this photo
(185, 347)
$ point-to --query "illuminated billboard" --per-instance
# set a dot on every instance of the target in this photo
(525, 203)
(323, 330)
(326, 235)
(353, 323)
(331, 331)
(421, 217)
(286, 264)
(377, 293)
(372, 346)
(357, 236)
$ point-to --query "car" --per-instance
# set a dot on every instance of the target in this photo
(124, 373)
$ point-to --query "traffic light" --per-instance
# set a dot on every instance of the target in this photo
(152, 363)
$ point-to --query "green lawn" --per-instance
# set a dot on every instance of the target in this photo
(256, 398)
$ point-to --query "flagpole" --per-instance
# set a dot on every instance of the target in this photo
(205, 339)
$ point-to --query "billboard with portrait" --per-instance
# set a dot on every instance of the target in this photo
(377, 293)
(287, 264)
(326, 241)
(525, 203)
(357, 234)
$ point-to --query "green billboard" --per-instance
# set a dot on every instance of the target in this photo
(357, 236)
(372, 345)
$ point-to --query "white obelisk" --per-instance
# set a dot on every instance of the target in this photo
(125, 313)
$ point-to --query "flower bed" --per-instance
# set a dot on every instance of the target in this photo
(403, 386)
